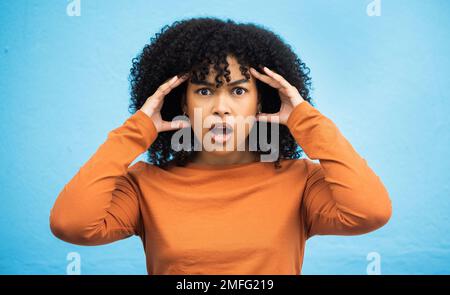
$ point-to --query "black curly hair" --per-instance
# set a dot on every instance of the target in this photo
(193, 46)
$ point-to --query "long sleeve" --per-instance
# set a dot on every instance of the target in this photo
(100, 203)
(343, 196)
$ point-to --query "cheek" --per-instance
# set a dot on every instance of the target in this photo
(193, 103)
(246, 110)
(250, 107)
(249, 103)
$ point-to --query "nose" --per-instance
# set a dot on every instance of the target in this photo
(221, 106)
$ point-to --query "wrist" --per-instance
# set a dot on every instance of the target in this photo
(296, 102)
(146, 111)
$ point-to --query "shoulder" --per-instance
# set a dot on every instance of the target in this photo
(313, 170)
(142, 168)
(138, 169)
(138, 172)
(304, 166)
(311, 165)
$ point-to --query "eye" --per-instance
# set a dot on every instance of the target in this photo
(201, 91)
(241, 92)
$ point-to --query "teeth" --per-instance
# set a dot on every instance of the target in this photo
(221, 129)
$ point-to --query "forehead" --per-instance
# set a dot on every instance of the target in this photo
(235, 73)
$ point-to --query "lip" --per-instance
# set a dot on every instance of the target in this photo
(222, 124)
(220, 137)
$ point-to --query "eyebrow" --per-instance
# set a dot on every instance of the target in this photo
(228, 84)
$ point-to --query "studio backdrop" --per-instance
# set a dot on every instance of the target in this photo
(380, 71)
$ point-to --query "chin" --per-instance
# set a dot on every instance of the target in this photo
(223, 153)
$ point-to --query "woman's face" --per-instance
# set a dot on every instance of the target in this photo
(233, 104)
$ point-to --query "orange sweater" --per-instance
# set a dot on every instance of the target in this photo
(236, 219)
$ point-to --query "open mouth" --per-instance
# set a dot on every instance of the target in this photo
(221, 128)
(221, 132)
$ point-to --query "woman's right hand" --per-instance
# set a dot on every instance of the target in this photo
(153, 104)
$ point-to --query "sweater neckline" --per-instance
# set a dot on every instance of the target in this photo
(199, 166)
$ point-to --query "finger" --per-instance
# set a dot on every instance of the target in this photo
(266, 79)
(167, 86)
(280, 79)
(175, 124)
(163, 89)
(169, 80)
(182, 76)
(271, 118)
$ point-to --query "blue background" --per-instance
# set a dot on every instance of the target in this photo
(383, 80)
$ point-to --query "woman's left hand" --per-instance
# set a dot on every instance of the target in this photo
(289, 95)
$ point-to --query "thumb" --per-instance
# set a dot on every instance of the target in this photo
(176, 124)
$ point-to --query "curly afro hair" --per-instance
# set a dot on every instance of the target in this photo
(193, 46)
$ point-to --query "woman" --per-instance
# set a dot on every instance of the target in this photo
(212, 210)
